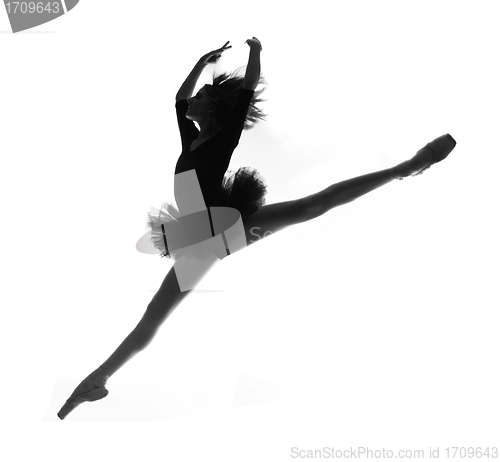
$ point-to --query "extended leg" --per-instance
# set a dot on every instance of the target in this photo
(168, 297)
(161, 306)
(275, 217)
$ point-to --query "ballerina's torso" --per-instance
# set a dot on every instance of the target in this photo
(198, 142)
(188, 193)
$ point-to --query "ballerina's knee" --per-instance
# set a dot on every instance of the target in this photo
(314, 206)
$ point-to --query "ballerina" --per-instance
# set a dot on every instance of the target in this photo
(222, 111)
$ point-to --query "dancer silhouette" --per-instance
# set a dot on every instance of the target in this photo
(222, 110)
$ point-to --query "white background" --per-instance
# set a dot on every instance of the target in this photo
(375, 325)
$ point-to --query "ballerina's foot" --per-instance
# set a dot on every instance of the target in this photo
(92, 388)
(430, 154)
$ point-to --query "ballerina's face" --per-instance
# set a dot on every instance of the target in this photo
(199, 106)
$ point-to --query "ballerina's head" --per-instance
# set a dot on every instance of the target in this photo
(214, 102)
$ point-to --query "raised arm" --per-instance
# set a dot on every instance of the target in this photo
(187, 88)
(253, 68)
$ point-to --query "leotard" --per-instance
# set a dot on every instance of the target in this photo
(244, 190)
(210, 159)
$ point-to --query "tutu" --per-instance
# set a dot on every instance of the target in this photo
(168, 214)
(243, 190)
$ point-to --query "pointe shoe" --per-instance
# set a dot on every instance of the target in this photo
(430, 154)
(99, 391)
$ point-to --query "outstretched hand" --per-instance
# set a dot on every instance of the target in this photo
(213, 56)
(254, 43)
